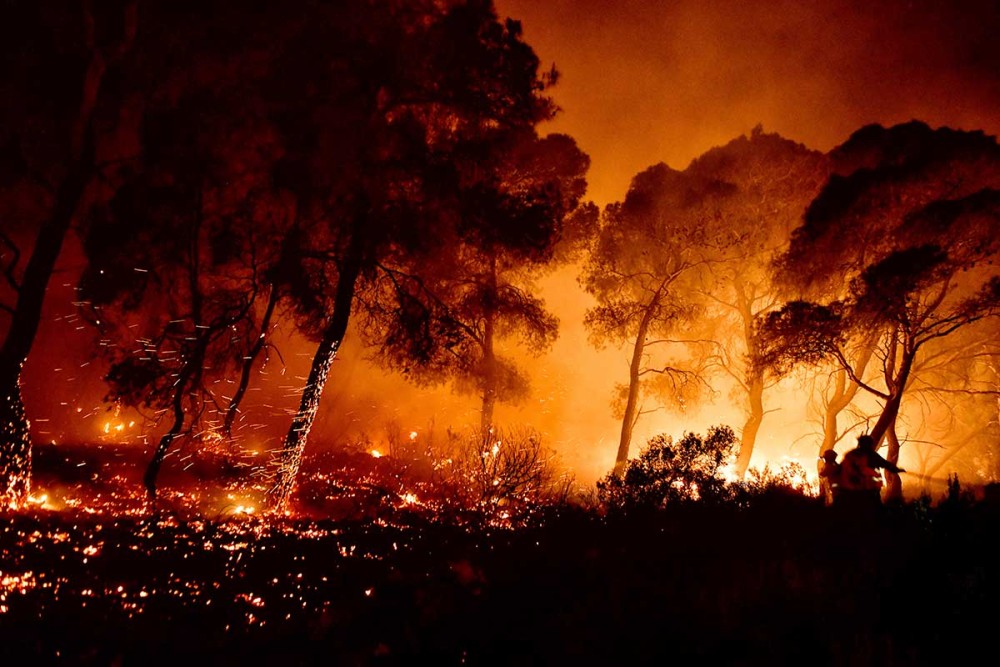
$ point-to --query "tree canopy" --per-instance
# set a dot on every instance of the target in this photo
(901, 242)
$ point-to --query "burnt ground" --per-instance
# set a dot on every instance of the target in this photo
(783, 580)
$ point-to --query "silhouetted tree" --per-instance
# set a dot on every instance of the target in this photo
(770, 182)
(643, 269)
(387, 104)
(180, 259)
(909, 225)
(446, 319)
(56, 114)
(955, 387)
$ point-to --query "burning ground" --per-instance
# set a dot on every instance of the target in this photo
(778, 581)
(774, 578)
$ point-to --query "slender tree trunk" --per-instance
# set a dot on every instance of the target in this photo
(844, 393)
(298, 432)
(755, 383)
(153, 468)
(755, 398)
(632, 402)
(489, 352)
(248, 364)
(893, 485)
(892, 405)
(188, 379)
(886, 424)
(489, 376)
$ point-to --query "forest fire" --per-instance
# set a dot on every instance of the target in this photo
(358, 332)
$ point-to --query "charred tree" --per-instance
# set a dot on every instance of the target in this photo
(326, 352)
(15, 439)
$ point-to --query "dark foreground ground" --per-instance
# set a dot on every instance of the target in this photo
(791, 582)
(782, 581)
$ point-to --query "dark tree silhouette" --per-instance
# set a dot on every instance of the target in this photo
(51, 122)
(909, 226)
(771, 181)
(646, 246)
(180, 259)
(375, 145)
(446, 320)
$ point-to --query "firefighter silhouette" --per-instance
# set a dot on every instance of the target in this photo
(861, 472)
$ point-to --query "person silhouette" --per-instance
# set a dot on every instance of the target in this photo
(829, 477)
(860, 472)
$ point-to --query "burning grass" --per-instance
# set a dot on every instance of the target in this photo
(396, 580)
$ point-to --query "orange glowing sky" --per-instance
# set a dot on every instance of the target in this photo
(645, 81)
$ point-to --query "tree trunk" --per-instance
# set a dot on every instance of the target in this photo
(893, 485)
(489, 353)
(15, 441)
(755, 397)
(844, 392)
(755, 383)
(489, 379)
(886, 424)
(298, 432)
(632, 402)
(188, 379)
(892, 405)
(248, 364)
(153, 468)
(15, 448)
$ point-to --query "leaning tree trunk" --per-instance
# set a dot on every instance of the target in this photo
(632, 401)
(248, 364)
(15, 446)
(755, 397)
(298, 433)
(886, 424)
(893, 485)
(153, 468)
(15, 442)
(895, 400)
